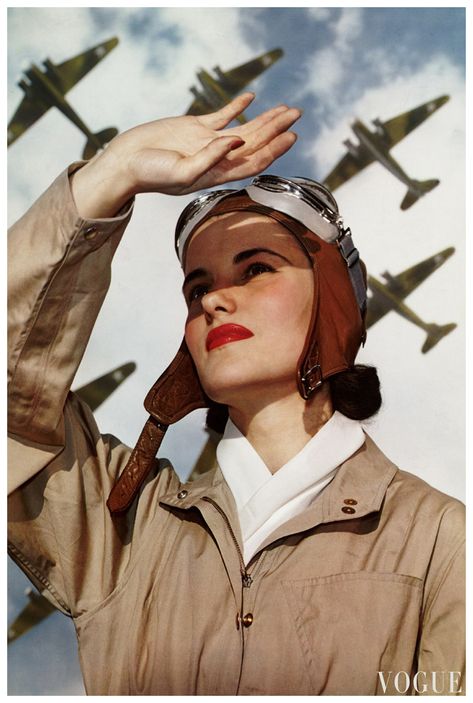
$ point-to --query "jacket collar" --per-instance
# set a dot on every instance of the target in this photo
(357, 489)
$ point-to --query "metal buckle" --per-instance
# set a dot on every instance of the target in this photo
(347, 248)
(307, 381)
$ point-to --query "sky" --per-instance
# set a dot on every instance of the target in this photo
(338, 64)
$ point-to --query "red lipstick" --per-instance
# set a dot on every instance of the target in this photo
(225, 334)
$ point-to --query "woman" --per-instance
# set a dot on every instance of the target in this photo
(305, 562)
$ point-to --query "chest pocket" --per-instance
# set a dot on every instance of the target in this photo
(351, 626)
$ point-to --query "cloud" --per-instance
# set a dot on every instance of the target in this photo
(347, 28)
(326, 69)
(319, 14)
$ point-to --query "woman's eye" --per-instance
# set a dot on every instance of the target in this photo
(196, 293)
(256, 269)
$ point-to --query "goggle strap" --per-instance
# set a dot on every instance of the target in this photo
(352, 259)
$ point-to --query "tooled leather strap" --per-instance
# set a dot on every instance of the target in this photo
(137, 468)
(176, 392)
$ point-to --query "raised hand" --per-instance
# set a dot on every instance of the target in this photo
(179, 155)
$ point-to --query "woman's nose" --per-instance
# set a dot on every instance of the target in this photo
(219, 300)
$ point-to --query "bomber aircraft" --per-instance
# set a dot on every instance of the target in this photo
(375, 145)
(390, 296)
(94, 394)
(46, 88)
(215, 92)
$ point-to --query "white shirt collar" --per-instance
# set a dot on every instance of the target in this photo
(265, 500)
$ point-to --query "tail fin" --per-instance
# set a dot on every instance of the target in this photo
(416, 190)
(97, 141)
(435, 334)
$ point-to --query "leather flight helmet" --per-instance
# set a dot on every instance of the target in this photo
(337, 329)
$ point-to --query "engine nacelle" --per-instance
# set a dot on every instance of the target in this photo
(219, 73)
(380, 128)
(352, 148)
(24, 85)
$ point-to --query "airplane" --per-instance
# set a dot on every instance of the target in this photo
(219, 90)
(94, 394)
(46, 88)
(390, 295)
(375, 145)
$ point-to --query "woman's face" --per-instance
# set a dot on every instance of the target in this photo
(249, 290)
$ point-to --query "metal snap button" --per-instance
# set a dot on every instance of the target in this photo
(90, 232)
(350, 501)
(348, 510)
(247, 619)
(182, 494)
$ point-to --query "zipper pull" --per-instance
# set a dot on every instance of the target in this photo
(247, 580)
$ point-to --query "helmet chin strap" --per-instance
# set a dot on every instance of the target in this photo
(175, 394)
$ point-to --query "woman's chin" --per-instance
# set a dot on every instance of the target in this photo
(225, 392)
(235, 390)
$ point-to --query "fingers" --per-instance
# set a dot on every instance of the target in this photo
(262, 134)
(193, 167)
(260, 120)
(220, 119)
(245, 167)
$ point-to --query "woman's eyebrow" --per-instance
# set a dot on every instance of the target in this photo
(237, 259)
(248, 253)
(196, 273)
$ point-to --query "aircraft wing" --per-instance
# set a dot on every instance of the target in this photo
(400, 286)
(97, 391)
(65, 75)
(399, 127)
(32, 614)
(347, 167)
(378, 305)
(27, 113)
(200, 106)
(391, 132)
(238, 78)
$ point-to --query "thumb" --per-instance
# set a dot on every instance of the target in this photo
(208, 157)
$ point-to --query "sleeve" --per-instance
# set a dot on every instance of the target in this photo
(441, 649)
(60, 467)
(59, 271)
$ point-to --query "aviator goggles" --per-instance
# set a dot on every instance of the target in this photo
(307, 202)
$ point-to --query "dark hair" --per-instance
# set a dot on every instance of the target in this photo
(355, 393)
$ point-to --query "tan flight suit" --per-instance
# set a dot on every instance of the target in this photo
(353, 596)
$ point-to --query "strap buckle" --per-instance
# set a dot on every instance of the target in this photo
(311, 380)
(347, 248)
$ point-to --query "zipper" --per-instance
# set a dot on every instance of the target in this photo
(246, 579)
(245, 576)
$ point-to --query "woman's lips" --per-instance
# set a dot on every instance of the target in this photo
(225, 334)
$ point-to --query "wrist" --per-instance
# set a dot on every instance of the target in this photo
(101, 187)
